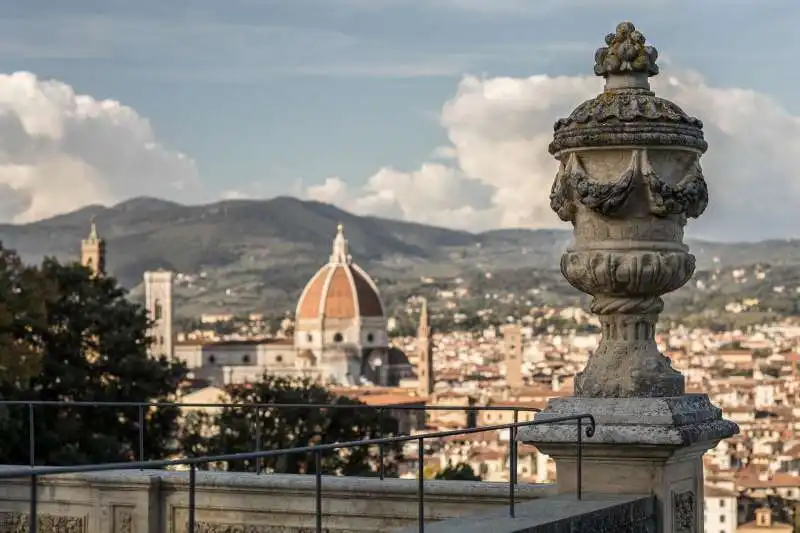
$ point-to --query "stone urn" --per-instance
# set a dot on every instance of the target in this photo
(629, 179)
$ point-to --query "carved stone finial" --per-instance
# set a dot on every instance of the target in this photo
(625, 53)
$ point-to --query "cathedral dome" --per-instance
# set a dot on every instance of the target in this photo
(340, 290)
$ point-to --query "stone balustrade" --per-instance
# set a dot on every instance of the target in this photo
(155, 501)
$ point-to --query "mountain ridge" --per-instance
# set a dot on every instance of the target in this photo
(284, 235)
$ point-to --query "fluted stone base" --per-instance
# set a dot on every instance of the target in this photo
(640, 446)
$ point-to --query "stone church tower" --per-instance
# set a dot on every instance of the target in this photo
(159, 305)
(512, 348)
(425, 376)
(93, 252)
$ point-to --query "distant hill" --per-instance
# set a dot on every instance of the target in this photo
(145, 233)
(270, 247)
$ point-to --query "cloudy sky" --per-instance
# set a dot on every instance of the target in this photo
(437, 111)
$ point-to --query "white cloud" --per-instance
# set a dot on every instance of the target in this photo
(501, 172)
(60, 150)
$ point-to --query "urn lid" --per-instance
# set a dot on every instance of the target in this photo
(627, 112)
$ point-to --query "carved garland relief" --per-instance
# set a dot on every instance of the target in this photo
(123, 521)
(689, 197)
(684, 512)
(19, 523)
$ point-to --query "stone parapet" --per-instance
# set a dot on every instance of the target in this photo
(154, 501)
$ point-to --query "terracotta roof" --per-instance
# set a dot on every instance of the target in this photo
(779, 479)
(718, 492)
(234, 342)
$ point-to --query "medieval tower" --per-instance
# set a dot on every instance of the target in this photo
(93, 252)
(159, 305)
(425, 353)
(512, 348)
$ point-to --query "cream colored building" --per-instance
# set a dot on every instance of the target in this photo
(160, 307)
(763, 523)
(340, 335)
(720, 510)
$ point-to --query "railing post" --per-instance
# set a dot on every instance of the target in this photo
(381, 448)
(258, 439)
(421, 484)
(580, 459)
(192, 491)
(513, 447)
(31, 435)
(141, 432)
(512, 452)
(33, 522)
(318, 491)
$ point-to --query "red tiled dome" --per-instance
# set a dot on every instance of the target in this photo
(340, 289)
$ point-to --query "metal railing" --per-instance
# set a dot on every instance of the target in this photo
(36, 473)
(382, 410)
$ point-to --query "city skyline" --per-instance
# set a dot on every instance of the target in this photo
(435, 112)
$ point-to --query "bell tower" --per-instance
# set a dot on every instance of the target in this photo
(425, 377)
(160, 308)
(512, 348)
(93, 252)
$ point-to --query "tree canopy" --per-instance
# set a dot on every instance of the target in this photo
(458, 472)
(239, 428)
(75, 337)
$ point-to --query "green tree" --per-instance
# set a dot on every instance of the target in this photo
(237, 429)
(458, 472)
(22, 313)
(92, 346)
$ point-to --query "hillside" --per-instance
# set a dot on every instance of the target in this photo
(147, 233)
(258, 253)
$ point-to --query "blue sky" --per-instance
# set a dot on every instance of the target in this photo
(265, 95)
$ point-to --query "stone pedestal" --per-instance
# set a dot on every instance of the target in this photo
(641, 446)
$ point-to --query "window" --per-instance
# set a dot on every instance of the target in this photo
(309, 337)
(338, 338)
(278, 358)
(161, 340)
(722, 503)
(212, 359)
(157, 311)
(370, 337)
(722, 519)
(246, 358)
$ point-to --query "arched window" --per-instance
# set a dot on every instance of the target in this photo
(338, 338)
(212, 359)
(245, 358)
(370, 337)
(157, 311)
